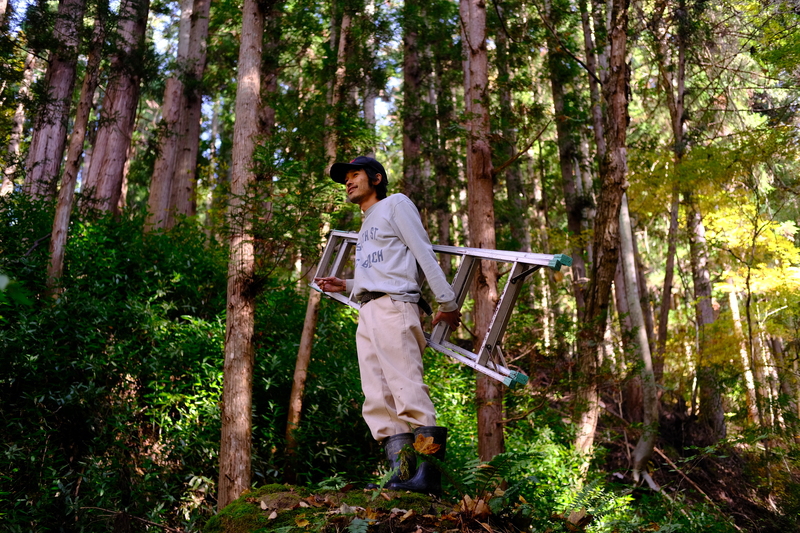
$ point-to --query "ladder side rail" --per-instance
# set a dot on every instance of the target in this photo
(345, 249)
(449, 351)
(331, 247)
(461, 281)
(505, 256)
(348, 235)
(501, 314)
(337, 251)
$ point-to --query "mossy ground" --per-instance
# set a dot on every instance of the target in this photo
(290, 509)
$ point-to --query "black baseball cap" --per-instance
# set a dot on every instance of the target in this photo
(339, 170)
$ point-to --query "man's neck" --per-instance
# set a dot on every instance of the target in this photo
(369, 202)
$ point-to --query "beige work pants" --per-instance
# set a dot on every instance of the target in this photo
(390, 344)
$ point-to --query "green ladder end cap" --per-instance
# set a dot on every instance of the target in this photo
(515, 378)
(558, 260)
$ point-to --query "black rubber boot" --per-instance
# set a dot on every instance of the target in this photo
(428, 479)
(393, 445)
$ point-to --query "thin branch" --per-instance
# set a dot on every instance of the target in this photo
(513, 159)
(35, 244)
(563, 47)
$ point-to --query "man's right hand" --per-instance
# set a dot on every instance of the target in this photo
(331, 284)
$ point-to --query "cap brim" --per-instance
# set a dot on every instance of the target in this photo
(339, 171)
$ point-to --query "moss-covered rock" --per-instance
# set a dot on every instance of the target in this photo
(284, 508)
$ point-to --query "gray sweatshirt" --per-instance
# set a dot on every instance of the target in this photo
(391, 244)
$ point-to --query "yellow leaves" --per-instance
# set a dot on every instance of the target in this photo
(752, 244)
(426, 445)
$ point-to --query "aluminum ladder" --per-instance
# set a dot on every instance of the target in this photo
(489, 359)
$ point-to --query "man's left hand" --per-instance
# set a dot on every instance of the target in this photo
(451, 318)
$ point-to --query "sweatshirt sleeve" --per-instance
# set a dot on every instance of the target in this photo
(409, 228)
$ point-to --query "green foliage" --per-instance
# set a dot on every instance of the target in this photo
(109, 395)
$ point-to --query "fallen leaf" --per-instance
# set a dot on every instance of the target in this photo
(371, 514)
(426, 445)
(346, 509)
(386, 496)
(408, 515)
(466, 504)
(263, 505)
(273, 515)
(481, 510)
(304, 504)
(301, 522)
(575, 516)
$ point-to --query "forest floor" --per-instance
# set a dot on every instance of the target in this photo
(284, 508)
(745, 489)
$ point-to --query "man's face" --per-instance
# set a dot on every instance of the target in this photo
(358, 187)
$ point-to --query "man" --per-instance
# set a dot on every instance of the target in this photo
(392, 252)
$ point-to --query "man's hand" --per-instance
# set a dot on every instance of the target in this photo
(331, 284)
(451, 318)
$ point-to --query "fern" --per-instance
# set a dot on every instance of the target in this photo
(358, 525)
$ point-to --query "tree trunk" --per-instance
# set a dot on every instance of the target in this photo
(712, 415)
(567, 135)
(413, 182)
(666, 291)
(517, 199)
(17, 126)
(644, 294)
(613, 169)
(749, 383)
(787, 381)
(314, 297)
(480, 192)
(170, 129)
(594, 81)
(49, 135)
(104, 176)
(66, 194)
(647, 441)
(672, 80)
(183, 198)
(442, 159)
(235, 445)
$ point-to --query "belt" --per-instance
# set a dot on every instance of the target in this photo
(365, 297)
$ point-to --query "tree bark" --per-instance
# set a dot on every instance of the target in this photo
(413, 182)
(170, 129)
(236, 445)
(17, 126)
(183, 197)
(46, 149)
(613, 170)
(787, 381)
(712, 415)
(314, 297)
(749, 383)
(644, 448)
(567, 136)
(66, 195)
(442, 158)
(673, 81)
(480, 192)
(666, 291)
(517, 199)
(104, 176)
(594, 81)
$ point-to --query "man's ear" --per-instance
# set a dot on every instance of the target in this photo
(378, 178)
